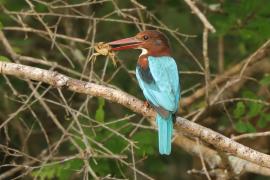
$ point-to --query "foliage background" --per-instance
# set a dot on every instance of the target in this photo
(242, 27)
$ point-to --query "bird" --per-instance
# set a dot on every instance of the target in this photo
(158, 78)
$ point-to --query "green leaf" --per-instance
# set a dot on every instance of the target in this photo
(59, 171)
(1, 25)
(75, 164)
(41, 8)
(262, 122)
(239, 110)
(102, 167)
(264, 119)
(249, 94)
(250, 127)
(2, 2)
(266, 80)
(147, 142)
(254, 109)
(116, 144)
(3, 58)
(68, 168)
(100, 115)
(267, 117)
(241, 127)
(101, 102)
(47, 172)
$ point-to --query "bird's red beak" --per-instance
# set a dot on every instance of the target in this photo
(127, 43)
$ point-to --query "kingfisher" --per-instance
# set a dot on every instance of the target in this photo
(158, 77)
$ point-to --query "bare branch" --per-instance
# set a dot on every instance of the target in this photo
(200, 15)
(223, 143)
(192, 129)
(206, 64)
(202, 160)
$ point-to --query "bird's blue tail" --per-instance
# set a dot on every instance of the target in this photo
(165, 131)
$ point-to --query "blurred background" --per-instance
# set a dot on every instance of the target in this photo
(118, 143)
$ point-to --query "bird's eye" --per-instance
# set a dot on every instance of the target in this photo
(145, 37)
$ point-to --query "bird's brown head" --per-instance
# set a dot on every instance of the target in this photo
(152, 43)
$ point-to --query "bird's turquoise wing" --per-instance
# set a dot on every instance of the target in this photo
(165, 90)
(165, 73)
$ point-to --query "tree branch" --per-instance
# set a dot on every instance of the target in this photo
(191, 129)
(200, 15)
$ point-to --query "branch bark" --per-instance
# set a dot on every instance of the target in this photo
(191, 129)
(200, 15)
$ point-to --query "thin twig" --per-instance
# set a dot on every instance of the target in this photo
(200, 15)
(202, 160)
(206, 64)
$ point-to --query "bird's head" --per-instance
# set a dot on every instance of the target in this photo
(152, 43)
